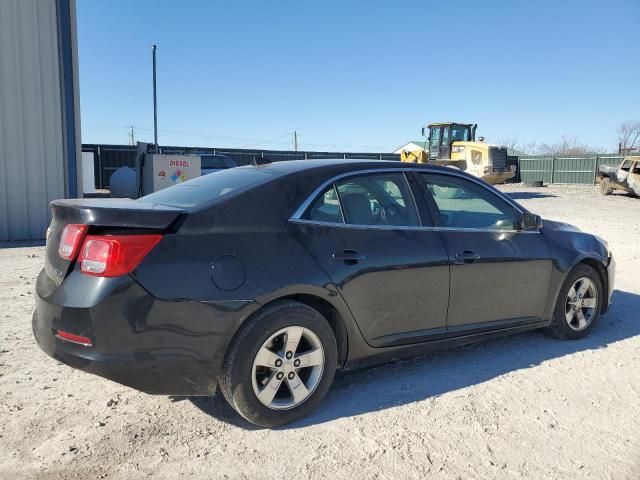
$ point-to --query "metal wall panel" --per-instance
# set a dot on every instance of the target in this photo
(32, 153)
(534, 169)
(578, 170)
(574, 170)
(109, 158)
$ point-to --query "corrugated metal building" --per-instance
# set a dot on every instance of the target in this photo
(40, 143)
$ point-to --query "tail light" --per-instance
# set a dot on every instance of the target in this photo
(70, 241)
(73, 338)
(114, 255)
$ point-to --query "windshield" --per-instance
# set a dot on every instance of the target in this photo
(211, 187)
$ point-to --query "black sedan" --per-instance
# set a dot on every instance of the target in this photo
(266, 279)
(211, 163)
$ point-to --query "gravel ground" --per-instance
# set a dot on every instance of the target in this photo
(526, 406)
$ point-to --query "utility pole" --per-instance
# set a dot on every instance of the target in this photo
(132, 140)
(295, 141)
(155, 103)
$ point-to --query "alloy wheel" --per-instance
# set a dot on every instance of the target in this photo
(287, 368)
(581, 305)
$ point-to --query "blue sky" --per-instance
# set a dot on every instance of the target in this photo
(357, 75)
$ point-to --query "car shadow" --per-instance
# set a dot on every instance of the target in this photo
(408, 381)
(529, 195)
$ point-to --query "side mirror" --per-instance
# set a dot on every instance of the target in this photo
(422, 131)
(531, 221)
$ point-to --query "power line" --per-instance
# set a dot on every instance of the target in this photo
(240, 142)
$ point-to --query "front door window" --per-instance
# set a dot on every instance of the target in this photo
(462, 204)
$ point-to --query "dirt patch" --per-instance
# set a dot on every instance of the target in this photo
(525, 406)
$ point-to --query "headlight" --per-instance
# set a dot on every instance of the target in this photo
(457, 149)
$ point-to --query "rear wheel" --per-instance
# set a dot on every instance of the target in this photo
(606, 186)
(578, 305)
(280, 365)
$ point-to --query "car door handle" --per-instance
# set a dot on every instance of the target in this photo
(466, 256)
(350, 257)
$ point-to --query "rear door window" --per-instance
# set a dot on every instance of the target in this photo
(377, 199)
(326, 207)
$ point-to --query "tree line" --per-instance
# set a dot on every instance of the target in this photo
(628, 135)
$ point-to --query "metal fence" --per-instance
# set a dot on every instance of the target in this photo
(108, 158)
(577, 170)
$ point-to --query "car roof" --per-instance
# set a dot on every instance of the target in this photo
(294, 166)
(296, 181)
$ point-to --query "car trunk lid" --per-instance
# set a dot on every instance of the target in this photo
(101, 214)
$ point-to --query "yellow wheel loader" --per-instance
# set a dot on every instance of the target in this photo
(455, 145)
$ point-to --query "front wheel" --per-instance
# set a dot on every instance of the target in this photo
(280, 365)
(578, 305)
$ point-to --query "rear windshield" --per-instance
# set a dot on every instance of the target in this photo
(208, 188)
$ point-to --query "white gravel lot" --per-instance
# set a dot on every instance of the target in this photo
(526, 406)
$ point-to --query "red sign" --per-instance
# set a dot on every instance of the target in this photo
(179, 163)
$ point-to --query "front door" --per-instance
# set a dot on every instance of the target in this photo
(365, 232)
(623, 171)
(500, 274)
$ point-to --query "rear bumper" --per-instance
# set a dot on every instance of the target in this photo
(158, 347)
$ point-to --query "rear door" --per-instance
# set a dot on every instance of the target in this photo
(365, 232)
(500, 274)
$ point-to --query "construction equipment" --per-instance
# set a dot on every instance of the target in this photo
(454, 144)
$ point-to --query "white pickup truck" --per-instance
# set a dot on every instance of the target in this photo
(625, 176)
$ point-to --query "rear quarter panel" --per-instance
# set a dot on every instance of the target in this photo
(252, 230)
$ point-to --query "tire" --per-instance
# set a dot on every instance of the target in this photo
(534, 184)
(606, 186)
(560, 326)
(242, 378)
